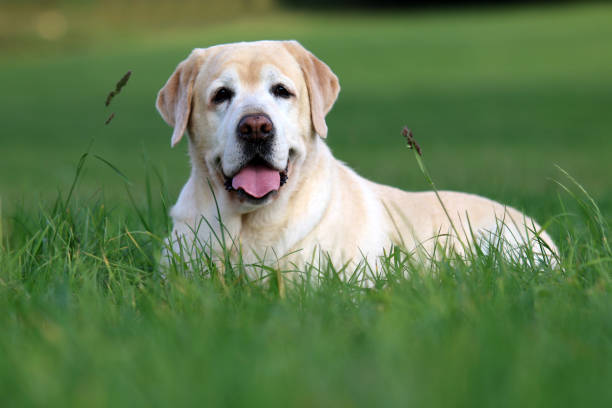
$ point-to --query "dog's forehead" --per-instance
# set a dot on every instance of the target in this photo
(253, 62)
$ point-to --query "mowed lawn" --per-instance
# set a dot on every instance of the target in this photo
(496, 99)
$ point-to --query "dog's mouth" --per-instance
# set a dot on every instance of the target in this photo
(257, 180)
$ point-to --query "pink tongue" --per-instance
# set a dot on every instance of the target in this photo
(257, 180)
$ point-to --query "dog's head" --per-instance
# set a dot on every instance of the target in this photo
(252, 110)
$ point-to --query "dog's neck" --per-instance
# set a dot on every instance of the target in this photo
(297, 210)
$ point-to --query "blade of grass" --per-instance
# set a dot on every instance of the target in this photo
(114, 168)
(601, 221)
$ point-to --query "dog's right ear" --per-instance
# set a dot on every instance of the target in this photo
(175, 98)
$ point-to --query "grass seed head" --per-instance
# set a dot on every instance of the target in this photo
(122, 82)
(407, 133)
(112, 115)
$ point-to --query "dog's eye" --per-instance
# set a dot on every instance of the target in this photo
(222, 95)
(280, 91)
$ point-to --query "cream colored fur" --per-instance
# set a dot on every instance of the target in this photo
(325, 207)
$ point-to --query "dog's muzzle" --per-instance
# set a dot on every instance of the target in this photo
(257, 178)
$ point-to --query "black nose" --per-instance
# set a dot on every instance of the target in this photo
(255, 128)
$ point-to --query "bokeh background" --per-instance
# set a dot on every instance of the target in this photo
(497, 95)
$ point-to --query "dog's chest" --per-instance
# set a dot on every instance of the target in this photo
(260, 234)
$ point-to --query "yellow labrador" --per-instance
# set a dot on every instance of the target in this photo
(255, 116)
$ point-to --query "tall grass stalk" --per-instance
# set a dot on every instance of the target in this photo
(412, 144)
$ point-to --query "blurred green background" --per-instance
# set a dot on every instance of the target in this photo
(496, 96)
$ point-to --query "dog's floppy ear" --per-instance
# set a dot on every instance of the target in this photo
(174, 99)
(322, 83)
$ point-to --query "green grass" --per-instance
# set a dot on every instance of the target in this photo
(495, 99)
(88, 320)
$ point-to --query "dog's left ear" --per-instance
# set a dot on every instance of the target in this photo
(322, 83)
(174, 99)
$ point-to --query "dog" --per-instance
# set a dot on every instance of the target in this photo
(264, 182)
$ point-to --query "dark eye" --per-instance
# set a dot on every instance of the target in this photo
(222, 95)
(280, 91)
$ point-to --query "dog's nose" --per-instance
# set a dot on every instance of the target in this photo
(255, 128)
